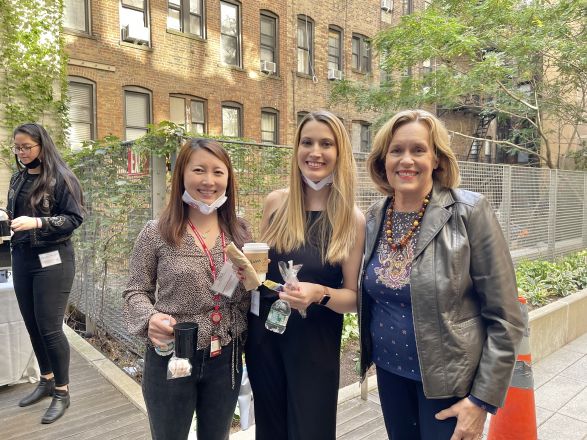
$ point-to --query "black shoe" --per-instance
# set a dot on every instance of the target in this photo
(58, 406)
(45, 388)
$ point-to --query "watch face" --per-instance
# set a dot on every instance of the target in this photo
(324, 300)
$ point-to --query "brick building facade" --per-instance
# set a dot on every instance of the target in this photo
(209, 64)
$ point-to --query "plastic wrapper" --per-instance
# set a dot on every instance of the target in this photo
(178, 367)
(289, 272)
(251, 280)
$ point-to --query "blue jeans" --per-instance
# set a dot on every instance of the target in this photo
(408, 414)
(208, 391)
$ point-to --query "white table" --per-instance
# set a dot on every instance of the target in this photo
(17, 360)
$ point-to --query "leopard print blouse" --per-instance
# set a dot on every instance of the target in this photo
(177, 281)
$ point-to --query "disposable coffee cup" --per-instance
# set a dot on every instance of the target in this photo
(257, 254)
(186, 337)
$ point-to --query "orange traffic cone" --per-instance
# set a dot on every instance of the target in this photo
(517, 419)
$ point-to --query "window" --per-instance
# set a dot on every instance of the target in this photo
(230, 34)
(407, 7)
(268, 37)
(361, 136)
(232, 119)
(305, 43)
(188, 112)
(269, 126)
(361, 54)
(334, 48)
(76, 15)
(301, 115)
(137, 115)
(426, 67)
(186, 16)
(134, 23)
(137, 111)
(82, 111)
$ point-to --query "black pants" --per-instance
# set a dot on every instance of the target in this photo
(295, 375)
(408, 414)
(42, 295)
(208, 391)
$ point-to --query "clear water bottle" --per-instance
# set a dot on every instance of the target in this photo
(278, 316)
(170, 344)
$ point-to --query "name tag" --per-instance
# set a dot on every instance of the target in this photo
(226, 281)
(50, 259)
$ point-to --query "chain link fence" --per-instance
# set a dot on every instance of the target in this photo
(543, 214)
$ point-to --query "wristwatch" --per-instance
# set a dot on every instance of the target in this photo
(325, 298)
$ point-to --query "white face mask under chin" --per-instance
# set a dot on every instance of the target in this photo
(203, 207)
(317, 186)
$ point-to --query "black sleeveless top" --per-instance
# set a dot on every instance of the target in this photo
(312, 271)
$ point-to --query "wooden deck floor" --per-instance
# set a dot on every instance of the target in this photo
(98, 411)
(359, 419)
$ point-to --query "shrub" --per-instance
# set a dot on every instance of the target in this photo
(540, 281)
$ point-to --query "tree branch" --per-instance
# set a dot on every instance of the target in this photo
(514, 97)
(507, 143)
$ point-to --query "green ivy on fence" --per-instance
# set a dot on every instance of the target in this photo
(33, 83)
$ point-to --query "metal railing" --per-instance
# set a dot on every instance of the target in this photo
(543, 214)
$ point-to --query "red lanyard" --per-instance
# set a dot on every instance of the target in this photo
(206, 250)
(215, 316)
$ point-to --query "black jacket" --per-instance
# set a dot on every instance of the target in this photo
(467, 321)
(63, 216)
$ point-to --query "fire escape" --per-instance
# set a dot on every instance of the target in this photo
(480, 133)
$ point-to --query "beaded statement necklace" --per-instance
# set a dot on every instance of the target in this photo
(403, 241)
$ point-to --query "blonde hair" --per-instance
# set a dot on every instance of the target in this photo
(447, 172)
(288, 228)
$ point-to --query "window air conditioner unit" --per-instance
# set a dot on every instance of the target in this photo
(387, 5)
(334, 74)
(132, 33)
(268, 67)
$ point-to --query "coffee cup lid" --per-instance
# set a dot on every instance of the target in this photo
(256, 247)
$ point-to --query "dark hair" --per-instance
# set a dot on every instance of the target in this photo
(53, 168)
(173, 219)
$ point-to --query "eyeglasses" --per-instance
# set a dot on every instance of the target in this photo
(23, 148)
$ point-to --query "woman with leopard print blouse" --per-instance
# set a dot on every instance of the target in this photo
(172, 268)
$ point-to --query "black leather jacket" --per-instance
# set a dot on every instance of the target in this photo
(63, 213)
(467, 319)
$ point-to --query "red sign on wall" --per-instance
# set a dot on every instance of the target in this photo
(138, 163)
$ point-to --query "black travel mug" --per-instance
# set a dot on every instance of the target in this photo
(186, 337)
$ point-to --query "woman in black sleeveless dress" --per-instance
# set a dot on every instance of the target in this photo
(315, 223)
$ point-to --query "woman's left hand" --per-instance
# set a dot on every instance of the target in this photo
(470, 419)
(23, 223)
(303, 296)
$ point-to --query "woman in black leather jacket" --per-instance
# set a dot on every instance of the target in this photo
(437, 307)
(45, 204)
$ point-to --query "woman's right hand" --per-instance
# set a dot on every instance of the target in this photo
(160, 331)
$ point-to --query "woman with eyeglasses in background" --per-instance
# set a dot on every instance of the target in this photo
(45, 204)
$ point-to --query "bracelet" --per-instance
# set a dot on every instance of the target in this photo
(39, 222)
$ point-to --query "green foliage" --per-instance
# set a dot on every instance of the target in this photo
(350, 328)
(540, 281)
(526, 63)
(33, 65)
(118, 206)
